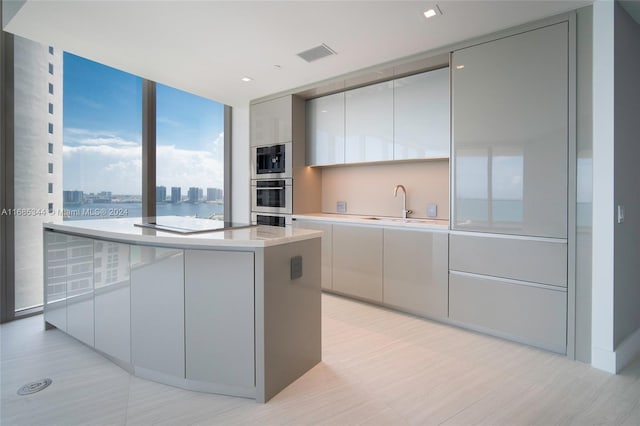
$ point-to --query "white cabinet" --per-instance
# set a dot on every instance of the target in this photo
(530, 314)
(219, 324)
(111, 272)
(369, 123)
(55, 279)
(510, 134)
(80, 289)
(357, 261)
(157, 310)
(327, 248)
(271, 121)
(421, 116)
(325, 130)
(416, 271)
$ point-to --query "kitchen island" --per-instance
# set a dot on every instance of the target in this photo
(234, 311)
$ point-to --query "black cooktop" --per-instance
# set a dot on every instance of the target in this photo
(189, 225)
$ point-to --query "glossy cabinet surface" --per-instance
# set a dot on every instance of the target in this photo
(325, 130)
(327, 248)
(416, 271)
(157, 309)
(80, 289)
(421, 116)
(510, 134)
(55, 277)
(271, 121)
(369, 123)
(530, 314)
(543, 262)
(111, 272)
(357, 261)
(219, 325)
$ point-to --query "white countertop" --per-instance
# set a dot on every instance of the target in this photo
(123, 230)
(409, 223)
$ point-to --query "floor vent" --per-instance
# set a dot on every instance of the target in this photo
(316, 53)
(34, 387)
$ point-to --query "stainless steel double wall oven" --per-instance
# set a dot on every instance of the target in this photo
(272, 184)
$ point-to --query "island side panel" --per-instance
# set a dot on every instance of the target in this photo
(288, 315)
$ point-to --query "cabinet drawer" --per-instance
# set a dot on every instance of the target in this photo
(536, 261)
(529, 314)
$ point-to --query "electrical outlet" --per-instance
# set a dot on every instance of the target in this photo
(432, 210)
(341, 206)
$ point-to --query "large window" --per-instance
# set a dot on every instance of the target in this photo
(102, 158)
(189, 154)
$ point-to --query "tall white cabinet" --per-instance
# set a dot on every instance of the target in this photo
(508, 246)
(325, 130)
(510, 134)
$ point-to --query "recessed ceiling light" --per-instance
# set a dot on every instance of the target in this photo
(459, 67)
(431, 12)
(246, 79)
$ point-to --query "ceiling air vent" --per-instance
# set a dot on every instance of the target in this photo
(316, 53)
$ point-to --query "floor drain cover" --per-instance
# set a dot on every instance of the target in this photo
(34, 387)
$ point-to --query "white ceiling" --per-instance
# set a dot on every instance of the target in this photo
(206, 47)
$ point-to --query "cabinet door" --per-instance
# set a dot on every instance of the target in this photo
(157, 309)
(327, 250)
(421, 116)
(369, 123)
(55, 279)
(531, 314)
(416, 271)
(271, 122)
(357, 261)
(112, 302)
(219, 321)
(325, 130)
(80, 289)
(510, 127)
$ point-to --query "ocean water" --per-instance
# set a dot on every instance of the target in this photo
(119, 210)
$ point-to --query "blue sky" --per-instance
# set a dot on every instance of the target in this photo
(102, 132)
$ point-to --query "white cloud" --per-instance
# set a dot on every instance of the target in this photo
(79, 137)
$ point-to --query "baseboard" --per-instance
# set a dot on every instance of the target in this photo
(614, 361)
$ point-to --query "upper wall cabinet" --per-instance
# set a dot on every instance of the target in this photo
(421, 116)
(369, 123)
(325, 130)
(510, 134)
(271, 121)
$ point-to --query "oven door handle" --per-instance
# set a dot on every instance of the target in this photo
(270, 188)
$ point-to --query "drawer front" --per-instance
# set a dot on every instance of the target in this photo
(536, 261)
(533, 315)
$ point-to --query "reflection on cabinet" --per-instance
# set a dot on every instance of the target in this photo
(55, 291)
(327, 248)
(369, 123)
(416, 271)
(531, 314)
(112, 299)
(325, 130)
(157, 309)
(80, 289)
(357, 261)
(271, 121)
(219, 327)
(510, 134)
(421, 116)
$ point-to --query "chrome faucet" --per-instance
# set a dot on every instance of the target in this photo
(405, 212)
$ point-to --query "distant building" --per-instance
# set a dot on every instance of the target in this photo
(161, 194)
(193, 194)
(103, 197)
(176, 194)
(214, 194)
(200, 194)
(72, 197)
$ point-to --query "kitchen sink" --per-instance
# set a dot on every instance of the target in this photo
(398, 219)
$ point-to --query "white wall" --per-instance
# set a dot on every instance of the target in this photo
(240, 198)
(627, 177)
